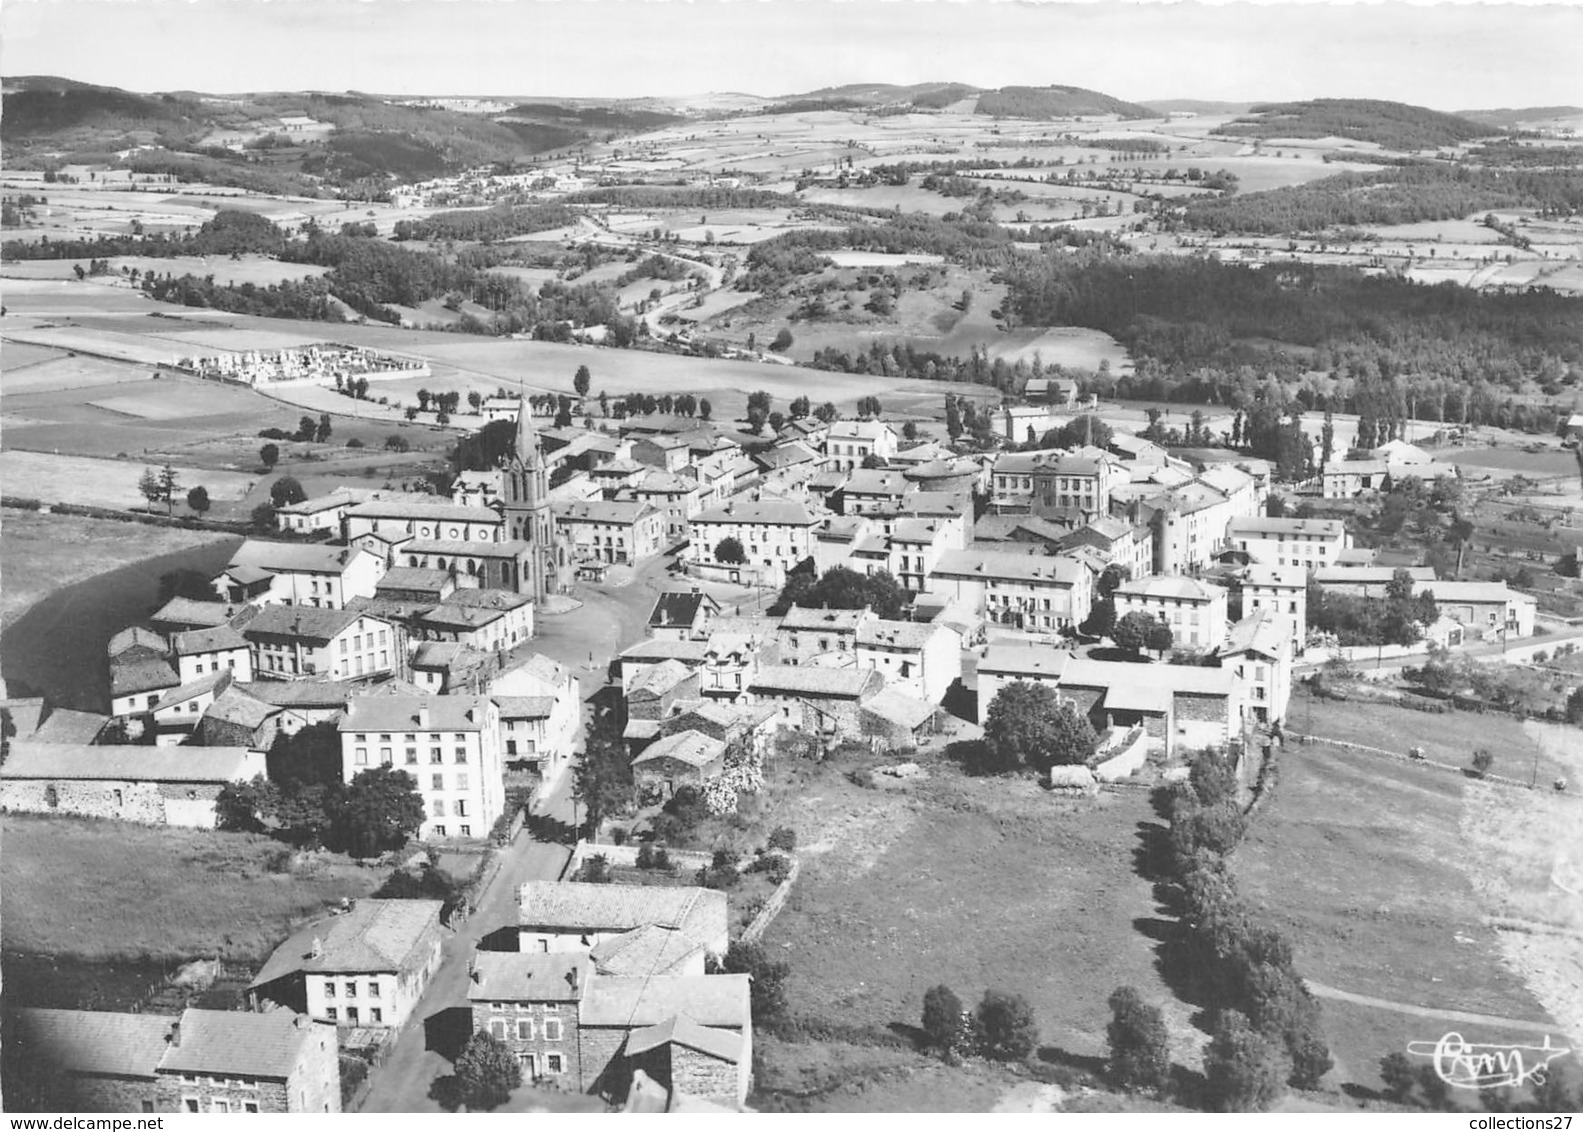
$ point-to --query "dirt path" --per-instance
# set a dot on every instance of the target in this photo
(1320, 990)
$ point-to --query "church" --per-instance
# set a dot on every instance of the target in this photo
(525, 504)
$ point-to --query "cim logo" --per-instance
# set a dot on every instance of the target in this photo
(1467, 1065)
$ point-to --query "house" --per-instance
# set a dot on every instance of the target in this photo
(872, 489)
(296, 642)
(683, 615)
(1403, 459)
(1260, 648)
(537, 734)
(450, 744)
(685, 758)
(1195, 610)
(1189, 525)
(1277, 589)
(677, 497)
(624, 532)
(366, 967)
(774, 536)
(1348, 479)
(180, 710)
(136, 685)
(1021, 423)
(571, 1025)
(896, 718)
(147, 785)
(288, 573)
(485, 620)
(822, 701)
(439, 667)
(636, 659)
(477, 489)
(918, 658)
(1120, 543)
(805, 633)
(736, 648)
(1487, 609)
(654, 696)
(913, 548)
(237, 718)
(1370, 581)
(1312, 544)
(180, 614)
(563, 916)
(1180, 707)
(199, 652)
(949, 474)
(1027, 591)
(1056, 480)
(668, 453)
(210, 1061)
(409, 583)
(56, 724)
(321, 514)
(849, 443)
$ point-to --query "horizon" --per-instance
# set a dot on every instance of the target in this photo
(1446, 57)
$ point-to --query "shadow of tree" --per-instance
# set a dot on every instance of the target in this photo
(914, 1034)
(545, 827)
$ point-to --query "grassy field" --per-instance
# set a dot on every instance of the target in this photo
(1550, 462)
(978, 884)
(43, 553)
(106, 483)
(1362, 862)
(104, 890)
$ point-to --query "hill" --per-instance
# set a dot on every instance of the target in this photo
(1056, 102)
(1511, 119)
(1196, 106)
(883, 94)
(44, 105)
(1391, 125)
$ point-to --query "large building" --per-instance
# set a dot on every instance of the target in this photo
(525, 503)
(149, 785)
(774, 536)
(449, 744)
(1313, 544)
(1195, 611)
(1026, 591)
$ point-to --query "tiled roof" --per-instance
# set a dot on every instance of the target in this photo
(646, 950)
(134, 638)
(185, 611)
(801, 680)
(1255, 526)
(1285, 577)
(1476, 592)
(301, 693)
(896, 634)
(236, 706)
(207, 640)
(147, 675)
(511, 548)
(303, 622)
(401, 713)
(192, 690)
(1170, 586)
(666, 648)
(978, 565)
(1025, 660)
(32, 760)
(661, 678)
(517, 976)
(897, 706)
(858, 430)
(448, 655)
(875, 481)
(376, 935)
(766, 513)
(440, 512)
(800, 617)
(678, 608)
(605, 511)
(414, 578)
(94, 1041)
(278, 557)
(459, 617)
(691, 747)
(63, 725)
(525, 707)
(575, 906)
(727, 1045)
(1261, 631)
(711, 1000)
(238, 1043)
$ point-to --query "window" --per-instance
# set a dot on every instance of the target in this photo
(384, 756)
(552, 1030)
(331, 1013)
(412, 756)
(360, 756)
(351, 1015)
(190, 1104)
(554, 1063)
(525, 1030)
(351, 989)
(435, 756)
(439, 807)
(148, 1106)
(467, 831)
(376, 1015)
(220, 1106)
(329, 988)
(497, 1027)
(461, 754)
(439, 831)
(249, 1106)
(461, 782)
(438, 782)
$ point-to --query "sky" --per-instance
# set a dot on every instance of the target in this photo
(1450, 56)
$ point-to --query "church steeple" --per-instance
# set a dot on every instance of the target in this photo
(525, 499)
(527, 443)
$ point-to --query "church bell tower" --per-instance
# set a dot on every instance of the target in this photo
(526, 506)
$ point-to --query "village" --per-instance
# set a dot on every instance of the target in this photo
(836, 586)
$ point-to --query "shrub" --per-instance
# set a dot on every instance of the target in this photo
(1244, 1071)
(942, 1017)
(768, 987)
(1009, 1030)
(487, 1072)
(1397, 1073)
(784, 838)
(1483, 759)
(1140, 1050)
(646, 855)
(354, 443)
(596, 870)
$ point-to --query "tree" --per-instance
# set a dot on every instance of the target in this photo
(1397, 1074)
(1101, 620)
(285, 491)
(759, 400)
(1077, 431)
(756, 419)
(1161, 638)
(953, 417)
(306, 428)
(783, 340)
(705, 409)
(269, 456)
(168, 486)
(263, 517)
(475, 400)
(602, 783)
(1243, 1068)
(383, 811)
(777, 421)
(322, 433)
(841, 588)
(241, 806)
(487, 1072)
(909, 430)
(767, 993)
(582, 381)
(942, 1017)
(800, 408)
(424, 396)
(198, 499)
(1140, 1045)
(1028, 726)
(1133, 631)
(148, 486)
(1008, 1027)
(729, 551)
(1483, 759)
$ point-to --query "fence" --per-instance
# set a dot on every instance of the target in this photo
(773, 905)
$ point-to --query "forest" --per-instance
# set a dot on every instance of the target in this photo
(1040, 102)
(1401, 195)
(500, 223)
(1393, 125)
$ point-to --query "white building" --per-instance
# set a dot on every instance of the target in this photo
(1277, 589)
(1259, 649)
(1312, 544)
(849, 443)
(1022, 590)
(450, 744)
(775, 536)
(918, 658)
(1195, 611)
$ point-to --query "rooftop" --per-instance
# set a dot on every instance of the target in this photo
(519, 976)
(437, 512)
(197, 641)
(376, 935)
(712, 1000)
(575, 906)
(647, 950)
(1008, 566)
(1263, 525)
(94, 1041)
(414, 578)
(1171, 587)
(298, 557)
(672, 609)
(239, 1043)
(800, 617)
(800, 680)
(149, 674)
(35, 760)
(896, 634)
(620, 512)
(691, 747)
(727, 1045)
(768, 512)
(423, 713)
(185, 611)
(303, 622)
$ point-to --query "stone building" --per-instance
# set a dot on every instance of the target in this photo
(148, 785)
(210, 1061)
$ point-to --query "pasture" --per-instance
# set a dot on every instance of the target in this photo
(62, 875)
(1362, 863)
(106, 483)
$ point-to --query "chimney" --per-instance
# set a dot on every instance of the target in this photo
(423, 716)
(175, 1034)
(473, 973)
(317, 950)
(574, 977)
(301, 1021)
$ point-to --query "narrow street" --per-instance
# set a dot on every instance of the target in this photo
(613, 615)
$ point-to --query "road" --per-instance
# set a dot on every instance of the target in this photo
(613, 615)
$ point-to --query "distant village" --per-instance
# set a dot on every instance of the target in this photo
(407, 623)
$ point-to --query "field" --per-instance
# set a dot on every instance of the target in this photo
(1362, 862)
(1551, 462)
(107, 483)
(978, 884)
(102, 890)
(255, 269)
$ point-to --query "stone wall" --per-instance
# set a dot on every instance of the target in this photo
(773, 905)
(604, 1070)
(141, 802)
(700, 1075)
(316, 1082)
(108, 1094)
(626, 856)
